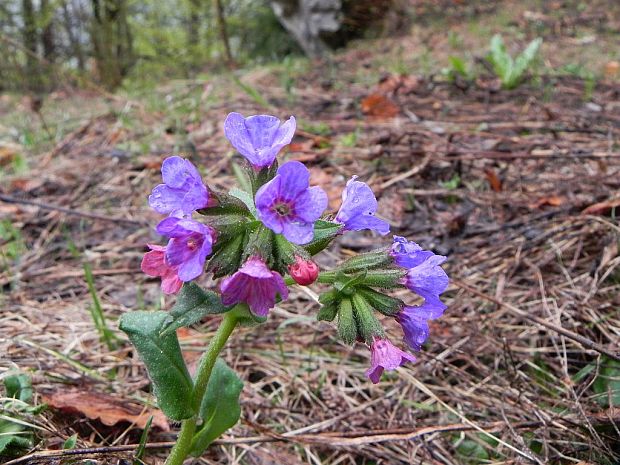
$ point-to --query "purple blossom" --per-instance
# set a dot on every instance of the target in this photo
(358, 208)
(425, 276)
(259, 138)
(287, 206)
(428, 279)
(414, 321)
(190, 244)
(256, 285)
(183, 190)
(385, 356)
(408, 254)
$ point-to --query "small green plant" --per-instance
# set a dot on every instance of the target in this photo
(11, 243)
(511, 71)
(16, 432)
(96, 311)
(350, 139)
(458, 68)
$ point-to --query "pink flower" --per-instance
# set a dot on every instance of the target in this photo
(385, 356)
(154, 264)
(254, 284)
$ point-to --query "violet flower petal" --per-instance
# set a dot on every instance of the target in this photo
(358, 208)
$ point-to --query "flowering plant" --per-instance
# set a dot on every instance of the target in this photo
(259, 243)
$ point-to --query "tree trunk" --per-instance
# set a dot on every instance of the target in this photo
(29, 34)
(306, 20)
(221, 24)
(112, 41)
(193, 24)
(76, 46)
(47, 34)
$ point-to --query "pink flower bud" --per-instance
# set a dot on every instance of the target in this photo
(304, 272)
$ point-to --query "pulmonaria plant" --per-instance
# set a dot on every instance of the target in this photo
(257, 243)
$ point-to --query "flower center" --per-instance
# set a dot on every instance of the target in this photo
(192, 243)
(282, 209)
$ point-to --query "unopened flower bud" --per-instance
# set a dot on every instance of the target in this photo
(304, 272)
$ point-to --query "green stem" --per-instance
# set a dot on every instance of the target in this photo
(184, 441)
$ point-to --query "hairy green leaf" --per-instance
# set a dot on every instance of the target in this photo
(164, 362)
(220, 408)
(193, 303)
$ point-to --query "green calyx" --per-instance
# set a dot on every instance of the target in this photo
(366, 261)
(226, 258)
(260, 243)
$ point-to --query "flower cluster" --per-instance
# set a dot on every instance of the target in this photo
(262, 240)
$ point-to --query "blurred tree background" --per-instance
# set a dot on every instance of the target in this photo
(46, 43)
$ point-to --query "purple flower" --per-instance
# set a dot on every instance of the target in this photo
(385, 356)
(258, 138)
(414, 321)
(190, 244)
(408, 254)
(358, 209)
(287, 206)
(425, 276)
(256, 285)
(183, 190)
(427, 279)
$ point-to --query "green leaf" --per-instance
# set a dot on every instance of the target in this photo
(458, 66)
(220, 408)
(70, 442)
(142, 445)
(164, 362)
(607, 383)
(500, 59)
(524, 60)
(324, 233)
(242, 177)
(245, 197)
(193, 304)
(14, 438)
(19, 386)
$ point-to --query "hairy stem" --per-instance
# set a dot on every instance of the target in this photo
(184, 441)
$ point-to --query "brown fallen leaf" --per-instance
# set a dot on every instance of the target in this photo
(551, 201)
(612, 68)
(601, 208)
(106, 408)
(379, 106)
(494, 181)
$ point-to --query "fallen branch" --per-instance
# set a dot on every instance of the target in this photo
(352, 438)
(69, 211)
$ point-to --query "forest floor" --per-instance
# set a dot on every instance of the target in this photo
(519, 188)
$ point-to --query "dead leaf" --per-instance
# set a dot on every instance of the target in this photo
(494, 181)
(397, 84)
(612, 69)
(8, 153)
(601, 208)
(379, 106)
(551, 201)
(106, 408)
